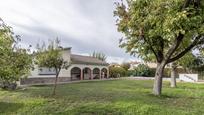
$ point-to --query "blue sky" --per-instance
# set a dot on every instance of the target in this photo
(84, 25)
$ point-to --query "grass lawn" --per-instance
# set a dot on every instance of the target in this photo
(116, 97)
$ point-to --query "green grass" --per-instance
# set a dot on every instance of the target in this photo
(116, 97)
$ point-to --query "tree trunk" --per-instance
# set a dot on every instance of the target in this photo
(55, 85)
(173, 75)
(158, 79)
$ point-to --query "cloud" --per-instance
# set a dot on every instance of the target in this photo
(85, 25)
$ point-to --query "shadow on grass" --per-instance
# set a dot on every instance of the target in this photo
(163, 96)
(6, 107)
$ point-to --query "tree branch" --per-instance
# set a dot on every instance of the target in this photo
(158, 53)
(198, 40)
(161, 49)
(196, 3)
(186, 3)
(150, 45)
(173, 48)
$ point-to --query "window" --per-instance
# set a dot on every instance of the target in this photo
(46, 71)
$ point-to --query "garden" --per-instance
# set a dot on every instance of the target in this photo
(114, 97)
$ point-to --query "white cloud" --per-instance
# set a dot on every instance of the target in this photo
(85, 25)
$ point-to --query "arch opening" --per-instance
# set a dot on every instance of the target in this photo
(96, 73)
(104, 73)
(86, 73)
(75, 73)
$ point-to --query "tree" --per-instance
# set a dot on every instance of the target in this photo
(99, 55)
(15, 61)
(191, 62)
(117, 72)
(143, 70)
(173, 74)
(51, 57)
(168, 29)
(126, 66)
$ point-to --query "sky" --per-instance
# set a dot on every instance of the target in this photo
(84, 25)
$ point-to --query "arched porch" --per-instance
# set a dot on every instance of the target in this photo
(75, 73)
(104, 73)
(87, 73)
(96, 73)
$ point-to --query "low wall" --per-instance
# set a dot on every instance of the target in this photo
(188, 77)
(43, 80)
(146, 78)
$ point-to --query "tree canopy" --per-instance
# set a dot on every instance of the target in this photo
(15, 61)
(167, 29)
(50, 56)
(125, 65)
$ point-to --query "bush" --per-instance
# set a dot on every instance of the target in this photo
(130, 73)
(8, 85)
(117, 72)
(142, 70)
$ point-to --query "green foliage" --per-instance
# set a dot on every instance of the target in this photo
(126, 66)
(99, 55)
(130, 73)
(15, 61)
(167, 29)
(153, 27)
(143, 70)
(51, 57)
(115, 97)
(192, 62)
(117, 72)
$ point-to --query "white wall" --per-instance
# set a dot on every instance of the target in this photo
(64, 73)
(188, 77)
(66, 54)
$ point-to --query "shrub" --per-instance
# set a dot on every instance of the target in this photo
(117, 72)
(126, 66)
(130, 72)
(142, 70)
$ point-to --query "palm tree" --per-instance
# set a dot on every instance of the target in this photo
(99, 55)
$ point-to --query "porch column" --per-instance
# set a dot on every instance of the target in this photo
(107, 73)
(99, 73)
(91, 74)
(81, 74)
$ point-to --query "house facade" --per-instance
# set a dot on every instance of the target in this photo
(81, 68)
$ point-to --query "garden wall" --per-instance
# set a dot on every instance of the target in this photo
(44, 80)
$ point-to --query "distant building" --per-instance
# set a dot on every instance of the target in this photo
(81, 68)
(114, 65)
(134, 64)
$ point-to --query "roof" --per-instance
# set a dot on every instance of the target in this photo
(79, 59)
(135, 62)
(67, 48)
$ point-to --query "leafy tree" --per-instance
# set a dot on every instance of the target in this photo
(126, 66)
(191, 62)
(143, 70)
(117, 71)
(99, 55)
(51, 57)
(167, 29)
(15, 61)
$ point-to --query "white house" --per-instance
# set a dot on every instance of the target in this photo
(81, 68)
